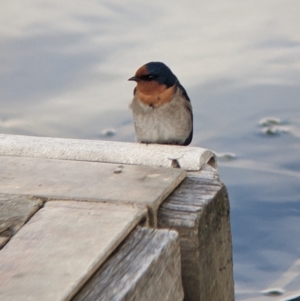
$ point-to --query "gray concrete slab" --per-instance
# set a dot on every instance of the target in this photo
(62, 245)
(189, 158)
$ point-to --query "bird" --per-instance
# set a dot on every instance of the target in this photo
(161, 109)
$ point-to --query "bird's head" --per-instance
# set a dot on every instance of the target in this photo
(154, 76)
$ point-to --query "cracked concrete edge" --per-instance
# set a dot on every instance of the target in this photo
(188, 158)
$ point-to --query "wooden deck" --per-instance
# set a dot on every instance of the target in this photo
(79, 223)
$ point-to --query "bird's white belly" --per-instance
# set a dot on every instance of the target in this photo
(169, 123)
(155, 129)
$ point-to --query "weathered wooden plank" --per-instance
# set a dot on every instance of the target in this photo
(64, 179)
(3, 241)
(61, 246)
(15, 210)
(188, 158)
(199, 210)
(146, 267)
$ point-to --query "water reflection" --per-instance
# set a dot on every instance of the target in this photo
(64, 67)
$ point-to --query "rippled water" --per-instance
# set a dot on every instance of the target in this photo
(64, 67)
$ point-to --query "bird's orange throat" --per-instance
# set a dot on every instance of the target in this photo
(154, 94)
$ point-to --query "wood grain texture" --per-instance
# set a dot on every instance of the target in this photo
(60, 247)
(3, 241)
(15, 210)
(145, 267)
(199, 210)
(103, 182)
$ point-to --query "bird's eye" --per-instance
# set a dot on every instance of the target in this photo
(150, 77)
(147, 77)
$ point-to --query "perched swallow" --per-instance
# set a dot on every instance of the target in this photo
(161, 108)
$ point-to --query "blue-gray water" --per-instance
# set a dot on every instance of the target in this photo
(64, 71)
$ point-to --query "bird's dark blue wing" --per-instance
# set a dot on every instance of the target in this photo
(185, 95)
(183, 91)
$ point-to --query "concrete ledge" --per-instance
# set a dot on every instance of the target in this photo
(188, 158)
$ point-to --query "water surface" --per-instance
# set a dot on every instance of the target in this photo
(64, 67)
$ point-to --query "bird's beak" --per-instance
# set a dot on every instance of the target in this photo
(134, 78)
